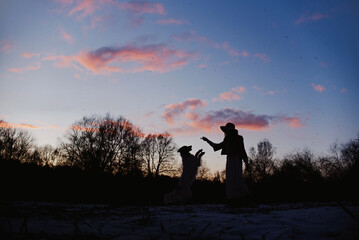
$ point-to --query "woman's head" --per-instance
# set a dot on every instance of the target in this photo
(228, 128)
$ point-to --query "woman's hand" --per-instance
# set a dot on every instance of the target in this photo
(204, 139)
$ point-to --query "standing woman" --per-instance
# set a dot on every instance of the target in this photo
(233, 147)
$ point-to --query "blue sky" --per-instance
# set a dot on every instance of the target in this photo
(282, 70)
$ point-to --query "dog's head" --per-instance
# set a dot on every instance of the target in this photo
(185, 149)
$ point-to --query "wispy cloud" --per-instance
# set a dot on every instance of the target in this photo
(293, 122)
(323, 64)
(268, 92)
(30, 55)
(244, 54)
(262, 56)
(319, 88)
(66, 36)
(142, 7)
(157, 58)
(37, 66)
(310, 18)
(134, 9)
(170, 21)
(137, 9)
(17, 125)
(234, 94)
(175, 109)
(83, 8)
(16, 70)
(192, 36)
(343, 90)
(211, 121)
(6, 46)
(64, 1)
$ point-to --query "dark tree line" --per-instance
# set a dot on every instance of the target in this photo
(303, 164)
(96, 144)
(112, 146)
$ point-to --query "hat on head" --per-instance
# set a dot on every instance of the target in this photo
(184, 149)
(229, 127)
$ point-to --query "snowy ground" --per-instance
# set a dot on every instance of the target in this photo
(78, 221)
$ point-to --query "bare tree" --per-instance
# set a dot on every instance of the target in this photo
(332, 166)
(204, 173)
(261, 164)
(350, 153)
(15, 143)
(158, 153)
(301, 165)
(219, 176)
(104, 144)
(47, 155)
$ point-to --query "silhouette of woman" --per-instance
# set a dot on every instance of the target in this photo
(233, 147)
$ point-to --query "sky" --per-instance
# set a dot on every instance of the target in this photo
(286, 71)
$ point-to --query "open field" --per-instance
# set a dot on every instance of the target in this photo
(45, 220)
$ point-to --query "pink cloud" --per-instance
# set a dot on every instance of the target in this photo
(293, 122)
(244, 54)
(17, 70)
(52, 126)
(242, 120)
(157, 58)
(84, 7)
(64, 1)
(323, 64)
(262, 57)
(192, 36)
(211, 121)
(266, 92)
(30, 55)
(17, 125)
(170, 21)
(142, 7)
(37, 66)
(66, 36)
(343, 90)
(234, 94)
(317, 87)
(192, 116)
(175, 109)
(6, 46)
(271, 92)
(231, 51)
(310, 18)
(202, 66)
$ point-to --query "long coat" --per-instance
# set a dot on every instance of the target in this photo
(232, 145)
